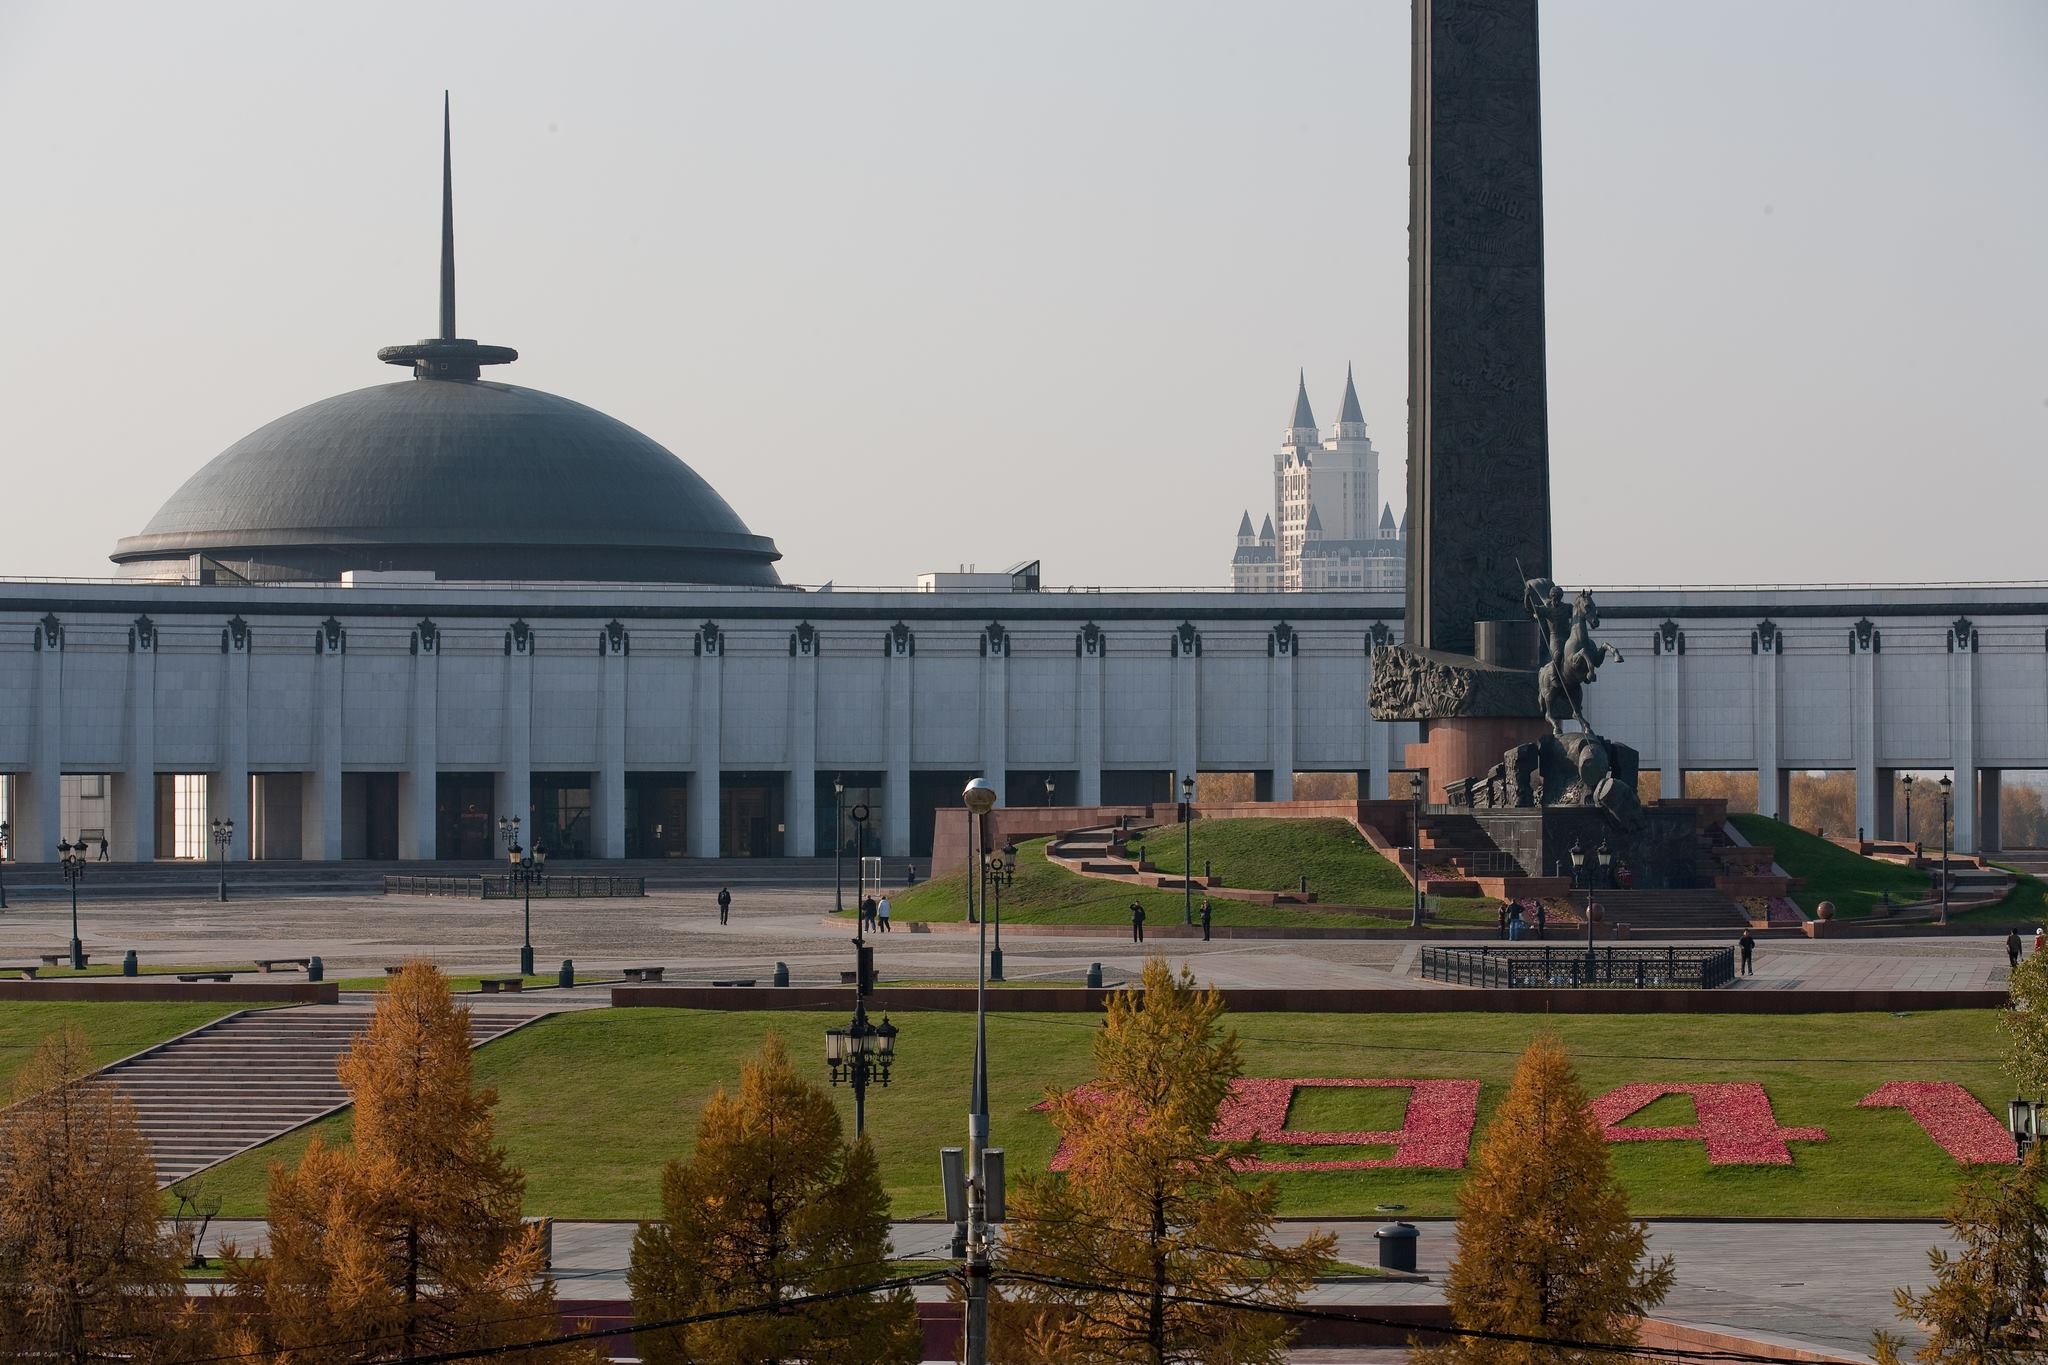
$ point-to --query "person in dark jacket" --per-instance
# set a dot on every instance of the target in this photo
(1137, 922)
(724, 903)
(2012, 947)
(1748, 945)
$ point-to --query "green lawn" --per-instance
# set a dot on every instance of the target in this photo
(1831, 872)
(593, 1103)
(2025, 906)
(1045, 894)
(1274, 855)
(114, 1029)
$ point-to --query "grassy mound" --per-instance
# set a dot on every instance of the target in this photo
(1274, 855)
(115, 1029)
(1832, 873)
(1044, 893)
(593, 1103)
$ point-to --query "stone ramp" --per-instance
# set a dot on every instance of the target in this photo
(240, 1081)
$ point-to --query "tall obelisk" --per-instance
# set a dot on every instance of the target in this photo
(1478, 419)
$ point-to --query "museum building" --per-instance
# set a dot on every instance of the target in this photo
(373, 627)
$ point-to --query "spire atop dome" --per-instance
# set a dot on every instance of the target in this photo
(447, 356)
(1304, 416)
(1352, 412)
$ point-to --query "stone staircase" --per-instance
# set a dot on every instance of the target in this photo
(1459, 858)
(1652, 912)
(240, 1081)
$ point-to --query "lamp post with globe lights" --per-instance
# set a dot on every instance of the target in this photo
(524, 869)
(1946, 786)
(1415, 853)
(72, 858)
(223, 834)
(839, 844)
(1049, 788)
(979, 798)
(1187, 849)
(2023, 1117)
(1907, 783)
(859, 1052)
(1002, 870)
(6, 848)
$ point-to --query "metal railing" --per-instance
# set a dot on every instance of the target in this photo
(1581, 968)
(502, 887)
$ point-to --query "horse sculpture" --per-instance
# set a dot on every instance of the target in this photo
(1575, 657)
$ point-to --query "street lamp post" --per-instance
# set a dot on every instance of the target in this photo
(1187, 850)
(73, 858)
(1945, 784)
(1605, 857)
(1002, 870)
(859, 815)
(6, 847)
(1415, 853)
(979, 798)
(860, 1052)
(839, 844)
(1907, 783)
(525, 869)
(2024, 1118)
(223, 835)
(1048, 789)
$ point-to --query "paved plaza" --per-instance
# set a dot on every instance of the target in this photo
(359, 935)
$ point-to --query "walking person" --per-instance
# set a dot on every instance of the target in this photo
(1748, 945)
(724, 903)
(882, 914)
(1514, 924)
(1500, 921)
(1137, 922)
(103, 848)
(867, 912)
(2012, 947)
(1542, 918)
(2040, 941)
(1205, 919)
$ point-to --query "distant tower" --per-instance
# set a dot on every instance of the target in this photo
(1325, 487)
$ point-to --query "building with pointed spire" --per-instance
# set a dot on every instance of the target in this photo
(1333, 530)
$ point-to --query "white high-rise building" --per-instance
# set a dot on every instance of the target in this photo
(1326, 490)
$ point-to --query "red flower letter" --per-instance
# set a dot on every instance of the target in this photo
(1735, 1121)
(1951, 1116)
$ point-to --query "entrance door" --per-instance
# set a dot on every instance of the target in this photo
(750, 815)
(462, 811)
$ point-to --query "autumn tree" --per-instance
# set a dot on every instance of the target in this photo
(1987, 1303)
(88, 1270)
(1546, 1247)
(772, 1205)
(408, 1240)
(2025, 1025)
(1149, 1246)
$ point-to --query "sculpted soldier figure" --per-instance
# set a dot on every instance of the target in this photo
(1574, 656)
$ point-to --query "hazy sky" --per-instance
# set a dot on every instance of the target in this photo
(913, 284)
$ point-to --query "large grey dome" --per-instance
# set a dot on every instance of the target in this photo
(468, 479)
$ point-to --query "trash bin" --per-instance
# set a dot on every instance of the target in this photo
(1397, 1246)
(782, 973)
(1095, 976)
(316, 970)
(567, 976)
(129, 967)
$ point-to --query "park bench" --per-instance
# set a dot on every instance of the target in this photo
(645, 974)
(748, 982)
(492, 985)
(25, 973)
(206, 976)
(290, 964)
(60, 959)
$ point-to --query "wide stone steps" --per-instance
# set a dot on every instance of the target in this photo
(1645, 911)
(246, 1079)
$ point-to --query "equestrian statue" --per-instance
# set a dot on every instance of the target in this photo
(1573, 657)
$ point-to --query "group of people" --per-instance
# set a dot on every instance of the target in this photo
(2012, 944)
(874, 914)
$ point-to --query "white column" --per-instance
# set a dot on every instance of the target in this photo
(320, 790)
(608, 800)
(512, 792)
(1280, 730)
(995, 712)
(418, 823)
(227, 795)
(1765, 693)
(1962, 731)
(1088, 715)
(1670, 723)
(706, 743)
(39, 823)
(802, 805)
(1863, 723)
(897, 681)
(135, 789)
(1185, 758)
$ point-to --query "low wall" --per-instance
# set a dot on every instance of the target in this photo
(1389, 1000)
(117, 988)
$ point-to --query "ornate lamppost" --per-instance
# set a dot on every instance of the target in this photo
(1578, 862)
(72, 857)
(1187, 850)
(839, 844)
(522, 869)
(6, 847)
(1415, 853)
(859, 1052)
(223, 834)
(1946, 785)
(2024, 1118)
(1002, 870)
(859, 815)
(1048, 789)
(1605, 857)
(1907, 782)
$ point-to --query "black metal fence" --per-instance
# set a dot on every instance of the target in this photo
(502, 887)
(1581, 968)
